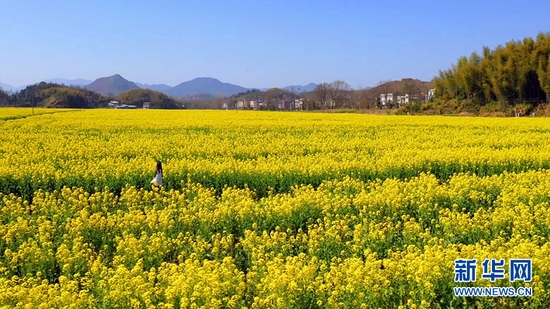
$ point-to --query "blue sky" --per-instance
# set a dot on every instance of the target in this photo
(262, 43)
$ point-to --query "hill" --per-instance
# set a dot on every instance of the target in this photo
(197, 96)
(197, 89)
(404, 86)
(156, 87)
(111, 85)
(155, 98)
(9, 88)
(208, 85)
(301, 88)
(55, 95)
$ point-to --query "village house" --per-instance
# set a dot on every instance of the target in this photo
(298, 104)
(126, 106)
(118, 105)
(389, 100)
(113, 104)
(284, 105)
(227, 105)
(402, 100)
(383, 100)
(256, 104)
(430, 95)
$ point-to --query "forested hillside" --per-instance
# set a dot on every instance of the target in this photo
(518, 72)
(157, 99)
(56, 95)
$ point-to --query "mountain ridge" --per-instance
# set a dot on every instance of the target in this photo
(70, 82)
(156, 87)
(9, 88)
(114, 85)
(197, 87)
(301, 88)
(207, 85)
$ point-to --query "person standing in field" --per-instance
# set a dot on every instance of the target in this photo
(158, 176)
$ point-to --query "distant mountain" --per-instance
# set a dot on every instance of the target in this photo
(156, 87)
(111, 85)
(70, 82)
(198, 88)
(299, 88)
(198, 96)
(9, 88)
(208, 85)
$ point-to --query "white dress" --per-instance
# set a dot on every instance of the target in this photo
(158, 179)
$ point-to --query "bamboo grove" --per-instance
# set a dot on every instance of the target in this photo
(516, 72)
(267, 209)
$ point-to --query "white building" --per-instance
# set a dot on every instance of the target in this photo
(125, 106)
(391, 99)
(403, 99)
(383, 100)
(430, 95)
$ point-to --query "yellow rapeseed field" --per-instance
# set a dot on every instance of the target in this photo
(267, 209)
(17, 113)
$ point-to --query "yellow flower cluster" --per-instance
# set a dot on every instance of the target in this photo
(12, 113)
(268, 210)
(97, 148)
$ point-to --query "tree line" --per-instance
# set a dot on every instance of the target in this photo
(53, 95)
(333, 95)
(155, 98)
(57, 95)
(519, 71)
(337, 94)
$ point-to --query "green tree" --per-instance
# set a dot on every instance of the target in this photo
(140, 95)
(516, 71)
(543, 73)
(4, 98)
